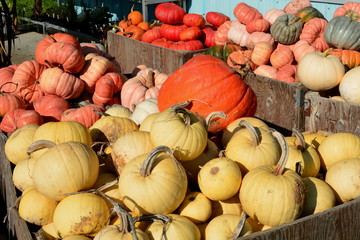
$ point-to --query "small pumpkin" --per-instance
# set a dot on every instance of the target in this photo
(349, 86)
(169, 13)
(313, 32)
(191, 33)
(51, 107)
(261, 53)
(216, 18)
(349, 58)
(281, 56)
(9, 102)
(17, 118)
(143, 109)
(172, 32)
(86, 115)
(294, 6)
(196, 207)
(245, 13)
(238, 33)
(349, 9)
(286, 29)
(272, 14)
(222, 51)
(134, 17)
(194, 20)
(307, 13)
(221, 34)
(258, 25)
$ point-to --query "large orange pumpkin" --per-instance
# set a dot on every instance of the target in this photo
(211, 85)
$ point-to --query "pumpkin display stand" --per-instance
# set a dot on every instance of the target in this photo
(130, 53)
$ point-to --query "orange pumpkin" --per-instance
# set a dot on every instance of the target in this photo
(51, 107)
(221, 34)
(350, 58)
(287, 73)
(261, 53)
(313, 32)
(214, 87)
(134, 17)
(245, 13)
(281, 56)
(300, 48)
(6, 74)
(256, 37)
(194, 20)
(86, 115)
(240, 59)
(349, 9)
(17, 118)
(258, 25)
(296, 5)
(191, 33)
(266, 71)
(8, 101)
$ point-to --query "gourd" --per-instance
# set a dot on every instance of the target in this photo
(51, 107)
(86, 114)
(169, 13)
(349, 86)
(9, 101)
(18, 118)
(281, 56)
(245, 13)
(307, 13)
(286, 29)
(196, 207)
(313, 32)
(349, 58)
(261, 53)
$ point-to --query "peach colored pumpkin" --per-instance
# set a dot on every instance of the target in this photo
(266, 71)
(295, 5)
(300, 48)
(237, 33)
(349, 9)
(237, 59)
(221, 34)
(6, 74)
(272, 14)
(256, 37)
(287, 73)
(281, 56)
(313, 32)
(258, 25)
(245, 13)
(261, 53)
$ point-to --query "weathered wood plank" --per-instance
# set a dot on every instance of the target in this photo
(323, 113)
(278, 102)
(130, 53)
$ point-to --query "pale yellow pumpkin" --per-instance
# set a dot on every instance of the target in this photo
(82, 213)
(350, 87)
(35, 208)
(112, 232)
(65, 168)
(128, 146)
(196, 207)
(303, 158)
(234, 127)
(111, 191)
(216, 174)
(151, 171)
(146, 123)
(315, 138)
(177, 227)
(49, 229)
(320, 71)
(228, 206)
(344, 178)
(76, 237)
(226, 227)
(337, 147)
(143, 109)
(23, 174)
(110, 128)
(252, 146)
(118, 110)
(273, 195)
(18, 142)
(255, 225)
(180, 130)
(319, 196)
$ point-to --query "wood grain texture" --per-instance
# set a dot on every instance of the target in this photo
(279, 102)
(16, 225)
(322, 113)
(130, 53)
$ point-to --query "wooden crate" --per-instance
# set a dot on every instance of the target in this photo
(323, 113)
(279, 103)
(130, 53)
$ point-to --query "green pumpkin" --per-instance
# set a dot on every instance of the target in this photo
(308, 13)
(343, 32)
(222, 51)
(286, 29)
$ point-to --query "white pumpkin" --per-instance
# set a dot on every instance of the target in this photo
(143, 109)
(350, 86)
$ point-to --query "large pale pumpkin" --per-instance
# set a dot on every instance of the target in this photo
(151, 171)
(211, 85)
(115, 232)
(196, 207)
(350, 87)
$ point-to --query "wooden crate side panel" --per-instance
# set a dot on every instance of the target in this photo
(278, 102)
(338, 223)
(17, 227)
(330, 115)
(130, 53)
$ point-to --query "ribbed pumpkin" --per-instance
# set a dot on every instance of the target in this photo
(216, 18)
(256, 37)
(147, 172)
(238, 33)
(266, 71)
(349, 58)
(169, 13)
(222, 51)
(245, 13)
(51, 107)
(214, 87)
(272, 14)
(296, 5)
(261, 53)
(241, 59)
(313, 32)
(301, 48)
(307, 13)
(73, 161)
(286, 29)
(281, 56)
(8, 101)
(17, 118)
(349, 9)
(221, 34)
(86, 115)
(6, 74)
(258, 25)
(287, 73)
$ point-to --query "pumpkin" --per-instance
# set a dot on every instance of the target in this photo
(343, 177)
(191, 33)
(208, 97)
(349, 9)
(134, 17)
(228, 206)
(77, 163)
(129, 146)
(133, 31)
(222, 51)
(256, 37)
(343, 32)
(144, 85)
(9, 102)
(261, 53)
(270, 184)
(216, 18)
(196, 207)
(181, 130)
(18, 142)
(104, 91)
(22, 174)
(58, 82)
(301, 48)
(26, 76)
(241, 59)
(86, 115)
(313, 32)
(76, 237)
(35, 208)
(110, 128)
(173, 227)
(272, 14)
(320, 71)
(252, 146)
(238, 33)
(82, 213)
(117, 232)
(66, 56)
(266, 71)
(153, 171)
(208, 37)
(118, 111)
(281, 56)
(151, 35)
(162, 42)
(294, 6)
(6, 74)
(307, 13)
(245, 13)
(17, 118)
(172, 32)
(169, 13)
(221, 34)
(287, 73)
(286, 29)
(190, 45)
(217, 173)
(319, 196)
(258, 25)
(221, 227)
(343, 142)
(194, 20)
(51, 107)
(143, 109)
(350, 58)
(349, 86)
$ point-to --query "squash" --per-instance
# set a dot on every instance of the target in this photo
(307, 13)
(349, 58)
(349, 86)
(144, 108)
(245, 13)
(228, 206)
(22, 174)
(196, 207)
(313, 32)
(222, 51)
(286, 29)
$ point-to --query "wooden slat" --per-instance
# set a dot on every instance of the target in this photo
(279, 103)
(17, 227)
(130, 53)
(323, 113)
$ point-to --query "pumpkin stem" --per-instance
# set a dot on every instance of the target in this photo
(149, 78)
(102, 113)
(254, 133)
(212, 115)
(312, 124)
(40, 144)
(239, 227)
(301, 146)
(187, 119)
(153, 218)
(326, 52)
(148, 163)
(280, 166)
(16, 84)
(294, 20)
(108, 185)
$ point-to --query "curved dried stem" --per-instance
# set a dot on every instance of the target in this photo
(211, 116)
(41, 144)
(239, 227)
(255, 136)
(16, 85)
(300, 137)
(280, 166)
